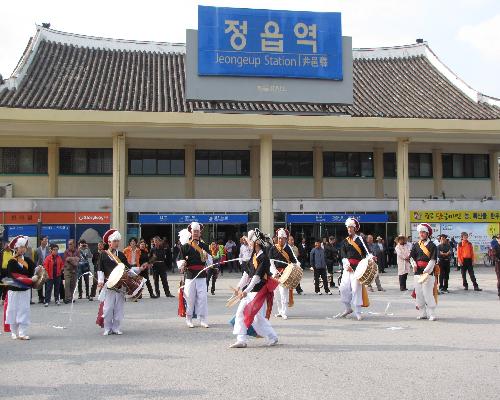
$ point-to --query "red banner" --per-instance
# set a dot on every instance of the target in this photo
(58, 218)
(93, 218)
(12, 218)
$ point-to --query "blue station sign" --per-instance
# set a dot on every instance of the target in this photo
(188, 218)
(334, 218)
(269, 43)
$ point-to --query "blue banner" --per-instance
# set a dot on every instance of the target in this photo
(188, 218)
(334, 218)
(26, 230)
(56, 231)
(269, 43)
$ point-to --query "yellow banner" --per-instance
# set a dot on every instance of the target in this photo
(455, 216)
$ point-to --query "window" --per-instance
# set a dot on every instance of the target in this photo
(155, 162)
(343, 164)
(223, 162)
(85, 161)
(292, 163)
(466, 166)
(419, 165)
(23, 160)
(390, 165)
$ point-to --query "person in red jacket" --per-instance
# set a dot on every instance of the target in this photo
(53, 264)
(465, 255)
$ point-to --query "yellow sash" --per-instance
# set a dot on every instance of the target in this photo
(283, 253)
(424, 248)
(199, 250)
(254, 261)
(355, 245)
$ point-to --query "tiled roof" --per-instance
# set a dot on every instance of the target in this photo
(72, 72)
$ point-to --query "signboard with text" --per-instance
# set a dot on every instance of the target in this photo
(455, 216)
(272, 43)
(334, 218)
(188, 218)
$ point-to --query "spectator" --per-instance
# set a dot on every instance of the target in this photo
(374, 248)
(331, 257)
(497, 264)
(95, 263)
(40, 254)
(54, 265)
(220, 243)
(84, 267)
(465, 254)
(175, 254)
(132, 252)
(444, 258)
(304, 253)
(212, 273)
(230, 247)
(245, 253)
(295, 251)
(318, 265)
(381, 256)
(160, 266)
(144, 258)
(71, 258)
(403, 260)
(5, 256)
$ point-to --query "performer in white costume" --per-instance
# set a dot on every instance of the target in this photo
(423, 256)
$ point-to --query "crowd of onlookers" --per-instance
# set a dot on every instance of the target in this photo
(75, 269)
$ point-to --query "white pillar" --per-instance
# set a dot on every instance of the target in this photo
(266, 184)
(53, 168)
(494, 171)
(437, 171)
(403, 187)
(254, 171)
(378, 172)
(119, 183)
(189, 170)
(318, 171)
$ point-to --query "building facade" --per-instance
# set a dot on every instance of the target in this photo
(102, 127)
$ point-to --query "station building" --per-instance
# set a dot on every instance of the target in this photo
(97, 132)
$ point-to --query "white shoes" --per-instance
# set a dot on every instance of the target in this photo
(345, 313)
(358, 316)
(273, 342)
(284, 316)
(189, 323)
(203, 324)
(13, 336)
(238, 345)
(106, 333)
(23, 337)
(432, 318)
(423, 316)
(118, 332)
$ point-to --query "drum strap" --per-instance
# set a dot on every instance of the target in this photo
(195, 246)
(424, 249)
(283, 253)
(355, 245)
(113, 257)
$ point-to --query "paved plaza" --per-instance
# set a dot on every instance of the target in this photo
(389, 355)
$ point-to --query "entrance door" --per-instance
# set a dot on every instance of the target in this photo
(226, 232)
(164, 231)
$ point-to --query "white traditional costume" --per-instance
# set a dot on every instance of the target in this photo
(423, 257)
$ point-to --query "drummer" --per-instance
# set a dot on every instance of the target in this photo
(114, 299)
(194, 256)
(423, 256)
(280, 256)
(352, 250)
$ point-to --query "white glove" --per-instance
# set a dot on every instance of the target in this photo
(181, 264)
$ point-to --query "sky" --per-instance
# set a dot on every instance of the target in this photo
(464, 34)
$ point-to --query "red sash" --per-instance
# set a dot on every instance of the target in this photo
(353, 261)
(422, 264)
(196, 267)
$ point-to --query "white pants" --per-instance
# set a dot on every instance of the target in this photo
(261, 325)
(18, 311)
(113, 310)
(282, 294)
(425, 295)
(195, 293)
(351, 291)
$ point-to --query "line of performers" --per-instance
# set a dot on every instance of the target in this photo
(255, 290)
